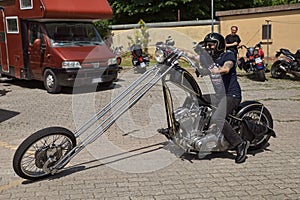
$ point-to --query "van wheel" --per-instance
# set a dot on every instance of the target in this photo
(105, 84)
(50, 82)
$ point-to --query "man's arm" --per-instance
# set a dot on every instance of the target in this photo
(236, 43)
(224, 69)
(232, 44)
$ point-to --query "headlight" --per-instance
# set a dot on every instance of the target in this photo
(159, 56)
(112, 61)
(71, 64)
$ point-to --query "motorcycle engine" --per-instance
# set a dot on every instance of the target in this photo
(192, 134)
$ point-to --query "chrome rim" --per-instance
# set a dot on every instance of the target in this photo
(50, 81)
(260, 118)
(51, 147)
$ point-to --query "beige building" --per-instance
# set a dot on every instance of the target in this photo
(283, 22)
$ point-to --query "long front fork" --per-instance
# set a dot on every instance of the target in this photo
(108, 115)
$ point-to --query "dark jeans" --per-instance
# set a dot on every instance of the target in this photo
(225, 106)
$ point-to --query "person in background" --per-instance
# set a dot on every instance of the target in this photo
(233, 41)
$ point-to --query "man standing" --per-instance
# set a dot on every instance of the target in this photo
(233, 41)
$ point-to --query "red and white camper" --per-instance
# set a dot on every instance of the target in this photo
(55, 41)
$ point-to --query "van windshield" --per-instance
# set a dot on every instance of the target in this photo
(66, 34)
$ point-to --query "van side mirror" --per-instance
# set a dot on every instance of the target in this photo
(38, 45)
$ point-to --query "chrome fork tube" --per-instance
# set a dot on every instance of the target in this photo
(126, 99)
(107, 108)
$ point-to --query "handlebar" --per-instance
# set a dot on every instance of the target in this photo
(257, 45)
(200, 70)
(244, 46)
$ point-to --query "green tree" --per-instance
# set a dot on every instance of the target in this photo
(103, 27)
(131, 11)
(140, 36)
(258, 3)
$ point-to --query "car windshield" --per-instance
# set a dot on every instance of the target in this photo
(66, 34)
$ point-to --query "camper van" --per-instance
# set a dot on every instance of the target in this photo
(55, 41)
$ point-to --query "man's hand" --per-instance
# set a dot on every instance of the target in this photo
(215, 70)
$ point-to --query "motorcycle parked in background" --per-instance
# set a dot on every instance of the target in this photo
(140, 61)
(254, 62)
(288, 64)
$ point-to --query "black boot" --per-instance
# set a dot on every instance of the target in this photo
(241, 151)
(166, 132)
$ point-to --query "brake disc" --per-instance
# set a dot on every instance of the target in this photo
(47, 156)
(40, 157)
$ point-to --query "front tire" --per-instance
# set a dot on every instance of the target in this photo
(276, 70)
(51, 82)
(261, 116)
(42, 149)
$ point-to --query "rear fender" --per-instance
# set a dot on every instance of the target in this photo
(247, 105)
(261, 67)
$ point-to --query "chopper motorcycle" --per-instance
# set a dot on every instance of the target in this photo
(254, 62)
(140, 61)
(288, 64)
(47, 151)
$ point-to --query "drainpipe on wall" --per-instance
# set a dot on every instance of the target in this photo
(268, 37)
(212, 16)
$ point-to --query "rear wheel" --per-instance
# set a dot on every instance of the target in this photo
(51, 82)
(261, 76)
(260, 116)
(42, 150)
(277, 71)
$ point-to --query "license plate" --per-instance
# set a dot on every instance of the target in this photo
(97, 80)
(258, 60)
(143, 65)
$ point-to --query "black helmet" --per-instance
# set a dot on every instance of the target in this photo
(218, 39)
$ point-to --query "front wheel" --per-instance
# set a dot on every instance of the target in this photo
(51, 82)
(106, 84)
(42, 150)
(277, 71)
(259, 115)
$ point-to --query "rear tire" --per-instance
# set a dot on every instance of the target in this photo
(276, 71)
(35, 151)
(265, 118)
(261, 76)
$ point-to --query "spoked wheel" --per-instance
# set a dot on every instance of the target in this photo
(42, 150)
(257, 115)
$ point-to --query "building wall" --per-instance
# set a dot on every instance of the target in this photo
(183, 35)
(284, 31)
(285, 22)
